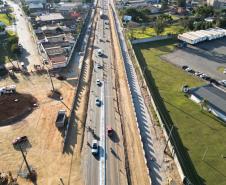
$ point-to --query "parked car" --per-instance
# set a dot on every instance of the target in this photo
(197, 73)
(223, 82)
(20, 140)
(98, 102)
(190, 70)
(214, 82)
(184, 67)
(94, 149)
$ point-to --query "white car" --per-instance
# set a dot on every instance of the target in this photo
(223, 82)
(94, 149)
(100, 52)
(98, 82)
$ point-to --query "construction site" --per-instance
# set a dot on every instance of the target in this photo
(51, 152)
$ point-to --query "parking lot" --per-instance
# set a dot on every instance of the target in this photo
(207, 57)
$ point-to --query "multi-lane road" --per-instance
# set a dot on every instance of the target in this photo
(107, 167)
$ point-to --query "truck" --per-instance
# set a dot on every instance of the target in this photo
(101, 14)
(8, 89)
(61, 117)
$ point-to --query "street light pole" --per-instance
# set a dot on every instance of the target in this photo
(168, 138)
(29, 170)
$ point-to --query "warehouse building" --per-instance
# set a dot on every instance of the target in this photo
(215, 98)
(195, 37)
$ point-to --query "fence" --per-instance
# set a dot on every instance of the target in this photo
(181, 157)
(151, 39)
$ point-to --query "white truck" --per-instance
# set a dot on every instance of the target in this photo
(10, 89)
(61, 117)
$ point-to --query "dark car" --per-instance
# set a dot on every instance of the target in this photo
(20, 140)
(109, 131)
(184, 67)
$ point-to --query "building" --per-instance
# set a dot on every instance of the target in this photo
(215, 99)
(35, 7)
(67, 8)
(51, 18)
(221, 4)
(195, 37)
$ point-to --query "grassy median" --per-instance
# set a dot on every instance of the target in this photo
(200, 132)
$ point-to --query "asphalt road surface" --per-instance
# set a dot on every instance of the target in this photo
(104, 167)
(30, 55)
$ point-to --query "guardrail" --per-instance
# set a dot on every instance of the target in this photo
(79, 82)
(134, 112)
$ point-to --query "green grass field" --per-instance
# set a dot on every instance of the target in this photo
(198, 130)
(138, 33)
(5, 19)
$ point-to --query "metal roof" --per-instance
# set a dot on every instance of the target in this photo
(215, 96)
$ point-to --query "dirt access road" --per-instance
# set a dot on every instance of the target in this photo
(44, 150)
(136, 167)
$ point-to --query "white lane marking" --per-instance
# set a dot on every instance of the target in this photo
(102, 140)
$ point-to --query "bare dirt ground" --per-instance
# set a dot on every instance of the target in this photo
(136, 166)
(44, 152)
(12, 105)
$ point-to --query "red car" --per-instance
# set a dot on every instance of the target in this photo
(109, 131)
(19, 140)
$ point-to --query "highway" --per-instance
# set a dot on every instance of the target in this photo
(107, 167)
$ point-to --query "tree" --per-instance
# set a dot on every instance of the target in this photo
(181, 3)
(159, 26)
(14, 49)
(204, 11)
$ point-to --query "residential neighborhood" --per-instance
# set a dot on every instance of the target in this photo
(112, 92)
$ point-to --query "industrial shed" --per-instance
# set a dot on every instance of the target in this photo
(195, 37)
(215, 97)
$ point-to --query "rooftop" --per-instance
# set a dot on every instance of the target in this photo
(58, 59)
(215, 96)
(55, 51)
(50, 17)
(35, 5)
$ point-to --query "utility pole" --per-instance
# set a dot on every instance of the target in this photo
(51, 80)
(168, 138)
(28, 168)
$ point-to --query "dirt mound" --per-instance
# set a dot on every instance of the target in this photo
(13, 106)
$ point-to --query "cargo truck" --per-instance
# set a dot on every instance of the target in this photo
(61, 117)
